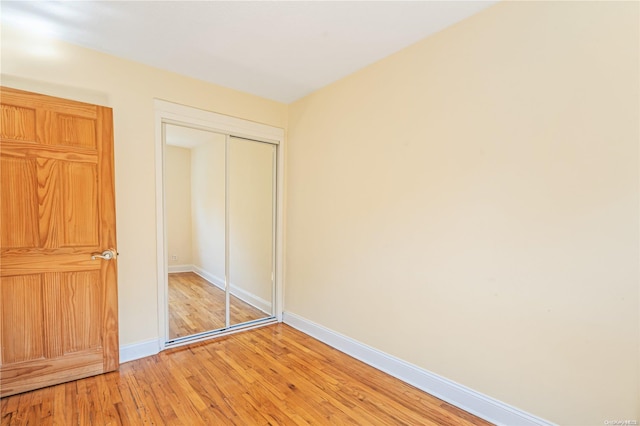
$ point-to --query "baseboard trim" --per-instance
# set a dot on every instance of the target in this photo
(241, 294)
(139, 350)
(251, 299)
(179, 268)
(483, 406)
(213, 279)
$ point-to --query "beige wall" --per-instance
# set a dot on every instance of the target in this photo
(470, 205)
(65, 70)
(208, 205)
(177, 188)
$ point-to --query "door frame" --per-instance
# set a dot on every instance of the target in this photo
(171, 113)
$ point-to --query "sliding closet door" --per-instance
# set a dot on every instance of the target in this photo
(251, 195)
(220, 226)
(194, 176)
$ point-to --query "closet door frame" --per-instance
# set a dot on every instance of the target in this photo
(171, 113)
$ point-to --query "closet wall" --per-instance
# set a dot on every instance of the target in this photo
(178, 209)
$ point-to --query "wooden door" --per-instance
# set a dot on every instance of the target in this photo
(58, 306)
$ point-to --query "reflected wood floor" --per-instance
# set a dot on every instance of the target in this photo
(273, 375)
(195, 305)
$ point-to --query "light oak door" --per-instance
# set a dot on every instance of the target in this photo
(58, 306)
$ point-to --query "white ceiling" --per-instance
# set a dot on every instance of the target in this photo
(281, 50)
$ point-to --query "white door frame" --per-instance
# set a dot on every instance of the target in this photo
(171, 113)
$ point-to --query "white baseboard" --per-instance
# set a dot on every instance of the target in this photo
(179, 268)
(213, 279)
(461, 396)
(139, 350)
(241, 294)
(251, 299)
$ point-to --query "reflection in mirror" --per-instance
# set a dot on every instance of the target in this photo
(195, 216)
(195, 179)
(251, 197)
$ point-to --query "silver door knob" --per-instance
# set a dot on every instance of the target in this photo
(106, 255)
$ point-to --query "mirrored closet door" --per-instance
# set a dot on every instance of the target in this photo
(219, 194)
(251, 201)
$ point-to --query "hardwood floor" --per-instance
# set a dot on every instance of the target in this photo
(273, 375)
(195, 306)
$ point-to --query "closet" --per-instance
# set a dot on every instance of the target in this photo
(220, 210)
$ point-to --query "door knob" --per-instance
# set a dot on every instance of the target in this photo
(106, 255)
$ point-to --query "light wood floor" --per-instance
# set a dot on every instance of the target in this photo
(273, 375)
(195, 306)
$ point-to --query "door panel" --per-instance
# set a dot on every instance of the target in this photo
(18, 123)
(23, 318)
(82, 318)
(58, 307)
(79, 196)
(76, 131)
(19, 224)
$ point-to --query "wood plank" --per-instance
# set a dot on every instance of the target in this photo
(17, 122)
(57, 370)
(53, 315)
(18, 149)
(22, 318)
(59, 402)
(44, 262)
(70, 409)
(24, 99)
(18, 203)
(271, 375)
(49, 209)
(81, 314)
(196, 305)
(75, 131)
(79, 204)
(107, 235)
